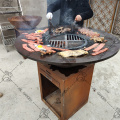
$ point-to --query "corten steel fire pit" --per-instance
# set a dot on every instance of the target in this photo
(65, 82)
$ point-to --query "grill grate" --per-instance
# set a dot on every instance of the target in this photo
(68, 41)
(73, 37)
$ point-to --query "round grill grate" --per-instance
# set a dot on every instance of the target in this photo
(68, 41)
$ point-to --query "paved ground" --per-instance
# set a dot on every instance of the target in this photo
(20, 86)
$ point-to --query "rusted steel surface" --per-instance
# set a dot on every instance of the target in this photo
(113, 44)
(73, 90)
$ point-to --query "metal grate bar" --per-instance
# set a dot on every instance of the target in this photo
(66, 42)
(63, 40)
(73, 37)
(6, 27)
(9, 10)
(53, 43)
(8, 7)
(9, 41)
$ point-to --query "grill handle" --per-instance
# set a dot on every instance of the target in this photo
(50, 26)
(73, 26)
(45, 40)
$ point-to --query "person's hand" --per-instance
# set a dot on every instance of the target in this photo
(49, 15)
(78, 18)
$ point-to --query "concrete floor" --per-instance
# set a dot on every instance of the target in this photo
(20, 85)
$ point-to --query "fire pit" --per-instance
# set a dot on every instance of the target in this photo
(65, 82)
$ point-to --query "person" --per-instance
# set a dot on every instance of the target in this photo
(70, 10)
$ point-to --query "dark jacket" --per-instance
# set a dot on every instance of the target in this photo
(69, 9)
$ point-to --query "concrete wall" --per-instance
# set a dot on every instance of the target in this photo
(35, 7)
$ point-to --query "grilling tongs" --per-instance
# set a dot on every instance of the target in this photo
(73, 26)
(50, 26)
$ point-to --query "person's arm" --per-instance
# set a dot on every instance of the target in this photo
(86, 15)
(84, 10)
(54, 6)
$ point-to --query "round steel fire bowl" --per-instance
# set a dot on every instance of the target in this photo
(25, 22)
(113, 45)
